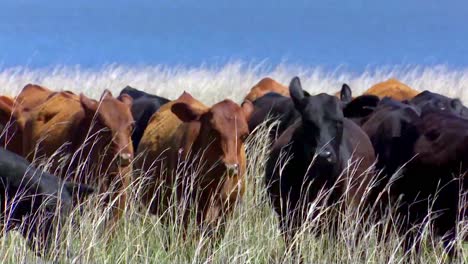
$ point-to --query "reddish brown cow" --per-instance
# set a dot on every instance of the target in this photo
(264, 86)
(90, 132)
(199, 148)
(13, 113)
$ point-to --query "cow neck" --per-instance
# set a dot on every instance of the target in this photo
(191, 141)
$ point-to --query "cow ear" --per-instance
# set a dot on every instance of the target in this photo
(296, 92)
(8, 109)
(126, 99)
(78, 191)
(89, 104)
(185, 112)
(361, 106)
(456, 104)
(105, 94)
(6, 105)
(345, 94)
(247, 108)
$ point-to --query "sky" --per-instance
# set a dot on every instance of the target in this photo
(355, 34)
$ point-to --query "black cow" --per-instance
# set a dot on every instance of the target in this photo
(320, 144)
(33, 201)
(433, 101)
(357, 109)
(143, 107)
(424, 153)
(272, 107)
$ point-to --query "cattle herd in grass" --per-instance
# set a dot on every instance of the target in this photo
(196, 152)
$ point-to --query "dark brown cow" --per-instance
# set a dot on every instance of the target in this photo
(190, 145)
(264, 86)
(95, 132)
(421, 156)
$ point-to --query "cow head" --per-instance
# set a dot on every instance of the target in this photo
(223, 129)
(114, 120)
(428, 101)
(322, 123)
(11, 125)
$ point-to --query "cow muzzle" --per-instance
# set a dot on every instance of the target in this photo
(325, 156)
(232, 169)
(124, 159)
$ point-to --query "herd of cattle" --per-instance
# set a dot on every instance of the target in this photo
(196, 152)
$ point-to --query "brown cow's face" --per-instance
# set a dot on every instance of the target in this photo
(115, 117)
(223, 129)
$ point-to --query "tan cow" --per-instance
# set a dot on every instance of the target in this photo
(394, 89)
(264, 86)
(202, 148)
(84, 131)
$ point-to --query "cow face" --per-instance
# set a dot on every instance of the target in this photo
(114, 115)
(322, 123)
(11, 125)
(223, 129)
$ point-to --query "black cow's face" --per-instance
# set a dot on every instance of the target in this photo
(322, 122)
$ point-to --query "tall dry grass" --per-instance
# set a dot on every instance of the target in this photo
(252, 234)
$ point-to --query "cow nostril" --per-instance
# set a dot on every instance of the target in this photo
(326, 155)
(232, 168)
(125, 158)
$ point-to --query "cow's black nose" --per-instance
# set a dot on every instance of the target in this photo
(325, 155)
(232, 169)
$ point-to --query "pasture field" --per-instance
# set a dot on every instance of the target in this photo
(252, 235)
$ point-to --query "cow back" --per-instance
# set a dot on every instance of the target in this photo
(394, 89)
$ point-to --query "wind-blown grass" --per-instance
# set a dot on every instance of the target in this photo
(252, 234)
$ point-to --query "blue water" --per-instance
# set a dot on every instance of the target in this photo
(355, 33)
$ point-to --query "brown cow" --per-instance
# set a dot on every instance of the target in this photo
(88, 132)
(32, 96)
(11, 125)
(264, 86)
(13, 113)
(180, 135)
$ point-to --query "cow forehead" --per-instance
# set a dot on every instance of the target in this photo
(322, 106)
(228, 114)
(115, 110)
